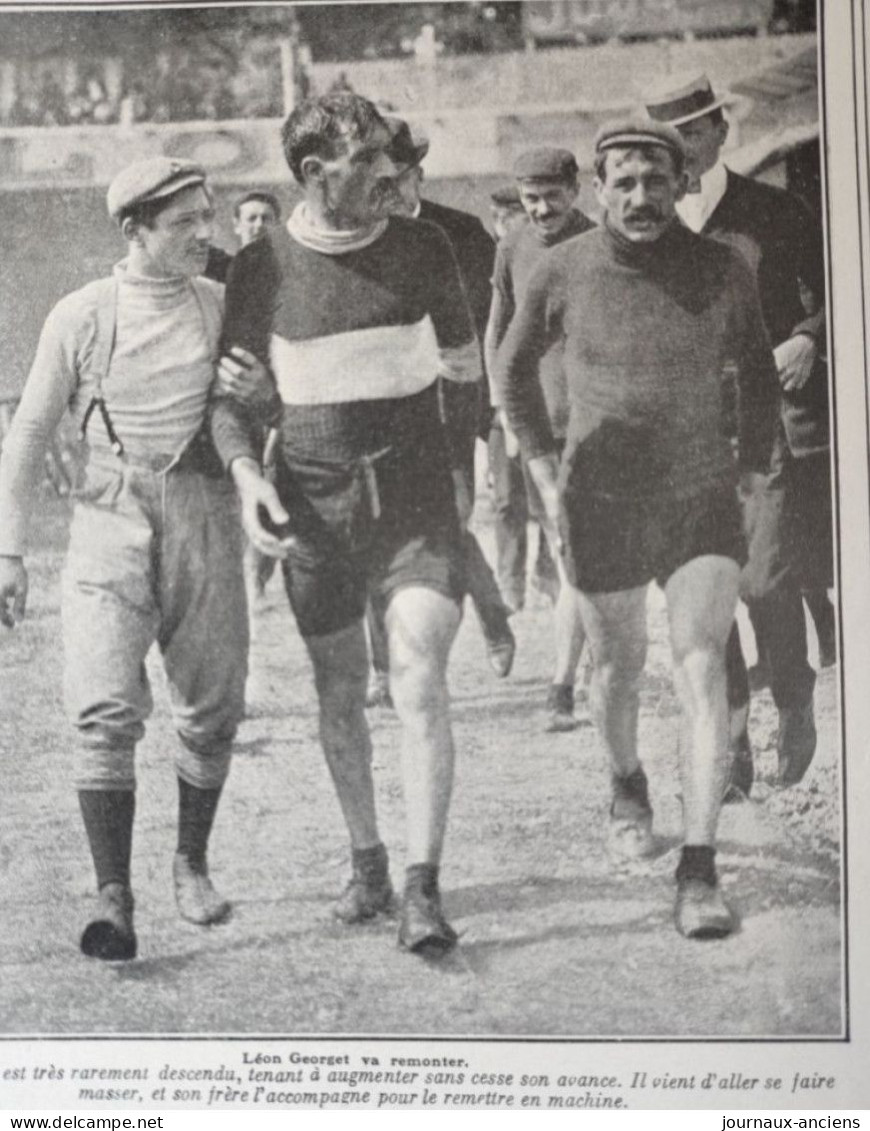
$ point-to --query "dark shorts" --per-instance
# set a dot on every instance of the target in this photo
(615, 544)
(366, 530)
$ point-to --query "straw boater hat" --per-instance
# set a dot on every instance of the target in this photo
(680, 99)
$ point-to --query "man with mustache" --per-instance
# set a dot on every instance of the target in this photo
(362, 319)
(646, 487)
(548, 184)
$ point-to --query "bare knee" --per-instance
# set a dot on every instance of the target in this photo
(418, 683)
(619, 663)
(702, 664)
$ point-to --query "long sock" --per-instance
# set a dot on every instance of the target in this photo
(422, 878)
(108, 817)
(196, 813)
(371, 863)
(697, 862)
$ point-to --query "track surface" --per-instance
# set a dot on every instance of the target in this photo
(554, 940)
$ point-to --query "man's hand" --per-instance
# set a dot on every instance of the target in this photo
(794, 359)
(544, 471)
(464, 497)
(243, 376)
(752, 484)
(13, 590)
(256, 492)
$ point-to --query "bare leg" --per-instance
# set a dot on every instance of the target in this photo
(421, 626)
(702, 597)
(615, 624)
(570, 636)
(340, 663)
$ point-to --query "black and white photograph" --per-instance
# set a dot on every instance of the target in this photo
(422, 531)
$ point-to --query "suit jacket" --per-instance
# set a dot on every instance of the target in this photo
(782, 242)
(475, 253)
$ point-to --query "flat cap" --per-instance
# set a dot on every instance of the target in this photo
(626, 132)
(682, 98)
(152, 178)
(545, 164)
(406, 148)
(508, 196)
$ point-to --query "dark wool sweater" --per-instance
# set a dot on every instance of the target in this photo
(648, 330)
(517, 257)
(356, 342)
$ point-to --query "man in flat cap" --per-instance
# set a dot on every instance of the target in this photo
(548, 184)
(362, 318)
(646, 488)
(506, 211)
(155, 543)
(790, 521)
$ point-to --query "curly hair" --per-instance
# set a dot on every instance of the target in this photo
(315, 125)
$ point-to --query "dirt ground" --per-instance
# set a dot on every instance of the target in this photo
(554, 940)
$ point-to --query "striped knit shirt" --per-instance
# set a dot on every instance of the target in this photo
(357, 339)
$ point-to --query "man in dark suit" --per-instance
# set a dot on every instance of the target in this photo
(475, 256)
(782, 243)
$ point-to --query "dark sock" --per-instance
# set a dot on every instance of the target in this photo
(697, 862)
(196, 813)
(370, 863)
(736, 675)
(633, 788)
(561, 697)
(422, 878)
(108, 818)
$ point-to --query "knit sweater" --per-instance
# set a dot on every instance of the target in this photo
(648, 330)
(517, 257)
(356, 340)
(156, 390)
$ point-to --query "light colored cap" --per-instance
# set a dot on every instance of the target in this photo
(623, 133)
(152, 178)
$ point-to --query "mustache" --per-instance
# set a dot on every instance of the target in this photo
(647, 212)
(386, 186)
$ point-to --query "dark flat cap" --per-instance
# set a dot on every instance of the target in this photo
(152, 178)
(545, 164)
(406, 148)
(626, 132)
(508, 196)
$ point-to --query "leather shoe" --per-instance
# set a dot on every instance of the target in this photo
(110, 935)
(423, 928)
(796, 743)
(195, 895)
(630, 834)
(366, 895)
(701, 912)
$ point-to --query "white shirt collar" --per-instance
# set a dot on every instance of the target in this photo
(696, 208)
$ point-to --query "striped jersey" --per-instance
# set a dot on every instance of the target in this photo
(356, 340)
